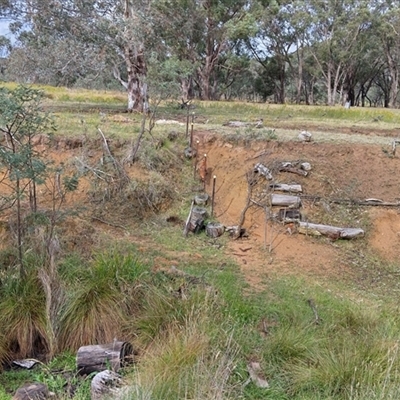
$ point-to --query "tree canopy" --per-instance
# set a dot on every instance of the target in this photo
(310, 51)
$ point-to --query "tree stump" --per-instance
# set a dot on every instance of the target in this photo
(96, 358)
(214, 229)
(190, 152)
(201, 199)
(33, 391)
(197, 218)
(105, 384)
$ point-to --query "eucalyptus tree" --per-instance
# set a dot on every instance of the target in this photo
(202, 34)
(333, 38)
(94, 34)
(386, 24)
(273, 43)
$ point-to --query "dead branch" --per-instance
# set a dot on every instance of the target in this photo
(251, 181)
(311, 303)
(118, 167)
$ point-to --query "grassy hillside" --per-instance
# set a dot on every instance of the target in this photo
(124, 270)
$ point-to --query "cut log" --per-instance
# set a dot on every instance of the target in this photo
(289, 215)
(201, 199)
(214, 229)
(190, 152)
(263, 170)
(196, 223)
(283, 187)
(293, 170)
(305, 136)
(284, 200)
(33, 391)
(332, 232)
(105, 384)
(96, 358)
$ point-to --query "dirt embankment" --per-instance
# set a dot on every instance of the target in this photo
(339, 171)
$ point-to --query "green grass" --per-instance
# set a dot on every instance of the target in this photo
(196, 329)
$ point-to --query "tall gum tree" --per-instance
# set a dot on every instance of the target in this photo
(101, 32)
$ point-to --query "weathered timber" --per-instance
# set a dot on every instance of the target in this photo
(96, 358)
(214, 229)
(105, 384)
(293, 170)
(332, 232)
(256, 375)
(197, 218)
(289, 215)
(201, 199)
(263, 170)
(366, 202)
(305, 136)
(33, 391)
(284, 200)
(186, 229)
(283, 187)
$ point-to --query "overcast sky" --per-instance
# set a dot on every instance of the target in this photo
(4, 28)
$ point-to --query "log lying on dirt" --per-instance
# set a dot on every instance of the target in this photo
(263, 170)
(105, 384)
(33, 391)
(284, 200)
(332, 232)
(293, 170)
(283, 187)
(288, 215)
(96, 358)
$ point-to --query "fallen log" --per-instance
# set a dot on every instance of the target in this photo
(96, 358)
(283, 187)
(284, 200)
(293, 170)
(332, 232)
(263, 170)
(33, 391)
(289, 215)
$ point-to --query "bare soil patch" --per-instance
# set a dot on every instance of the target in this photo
(340, 171)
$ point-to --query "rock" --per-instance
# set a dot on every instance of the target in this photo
(305, 136)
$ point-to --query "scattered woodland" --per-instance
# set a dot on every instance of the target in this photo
(199, 199)
(101, 285)
(304, 52)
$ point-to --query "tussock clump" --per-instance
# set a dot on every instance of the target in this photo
(23, 318)
(100, 300)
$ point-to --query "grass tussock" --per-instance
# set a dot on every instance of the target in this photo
(23, 316)
(105, 296)
(187, 356)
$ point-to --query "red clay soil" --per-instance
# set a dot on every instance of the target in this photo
(340, 171)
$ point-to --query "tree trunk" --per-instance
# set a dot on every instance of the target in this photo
(98, 357)
(136, 86)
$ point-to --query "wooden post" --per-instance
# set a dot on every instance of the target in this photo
(187, 122)
(191, 131)
(213, 196)
(195, 159)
